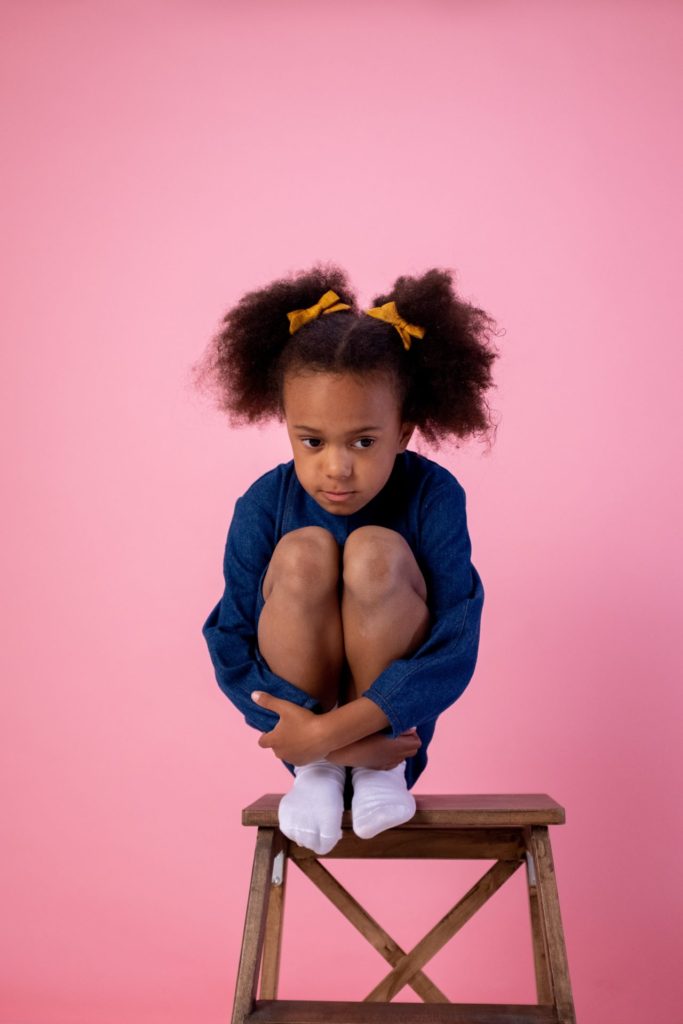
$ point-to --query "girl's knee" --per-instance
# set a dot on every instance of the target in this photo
(305, 563)
(377, 562)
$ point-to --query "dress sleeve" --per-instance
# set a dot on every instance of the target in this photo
(417, 689)
(230, 629)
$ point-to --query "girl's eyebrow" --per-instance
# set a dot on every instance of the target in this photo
(312, 430)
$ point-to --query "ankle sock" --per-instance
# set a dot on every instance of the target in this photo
(381, 800)
(310, 814)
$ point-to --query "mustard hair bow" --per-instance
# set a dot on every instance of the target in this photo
(389, 313)
(328, 304)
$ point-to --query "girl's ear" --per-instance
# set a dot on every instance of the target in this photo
(407, 430)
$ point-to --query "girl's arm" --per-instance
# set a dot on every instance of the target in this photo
(229, 630)
(415, 690)
(301, 737)
(351, 722)
(378, 751)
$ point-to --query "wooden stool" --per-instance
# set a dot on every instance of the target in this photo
(510, 828)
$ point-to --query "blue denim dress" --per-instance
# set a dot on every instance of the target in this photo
(423, 502)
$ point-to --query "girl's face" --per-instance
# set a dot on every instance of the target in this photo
(345, 434)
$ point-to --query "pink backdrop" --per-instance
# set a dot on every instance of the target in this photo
(163, 158)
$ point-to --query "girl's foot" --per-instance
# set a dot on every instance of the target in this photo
(310, 814)
(381, 800)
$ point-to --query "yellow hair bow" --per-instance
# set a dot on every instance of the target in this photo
(328, 304)
(389, 313)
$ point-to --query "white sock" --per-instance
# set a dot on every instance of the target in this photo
(310, 814)
(381, 800)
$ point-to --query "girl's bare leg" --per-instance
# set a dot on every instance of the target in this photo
(300, 629)
(384, 609)
(300, 637)
(384, 617)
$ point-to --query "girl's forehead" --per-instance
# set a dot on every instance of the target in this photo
(339, 398)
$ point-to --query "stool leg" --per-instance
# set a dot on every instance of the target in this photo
(254, 924)
(552, 923)
(272, 946)
(544, 985)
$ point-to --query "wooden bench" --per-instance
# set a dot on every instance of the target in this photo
(511, 829)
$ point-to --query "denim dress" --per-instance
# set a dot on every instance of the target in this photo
(425, 503)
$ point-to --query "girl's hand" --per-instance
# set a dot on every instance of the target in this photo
(378, 751)
(297, 737)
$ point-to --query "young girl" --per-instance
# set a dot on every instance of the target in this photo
(351, 611)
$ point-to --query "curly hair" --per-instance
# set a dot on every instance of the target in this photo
(441, 381)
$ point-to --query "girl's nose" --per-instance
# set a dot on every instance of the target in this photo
(339, 465)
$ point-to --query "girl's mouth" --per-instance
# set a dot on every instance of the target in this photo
(338, 495)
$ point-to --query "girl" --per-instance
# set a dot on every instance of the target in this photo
(351, 611)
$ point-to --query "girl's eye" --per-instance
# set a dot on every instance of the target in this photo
(315, 442)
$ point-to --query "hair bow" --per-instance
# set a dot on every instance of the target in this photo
(389, 313)
(328, 304)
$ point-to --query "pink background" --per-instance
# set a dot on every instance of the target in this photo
(162, 159)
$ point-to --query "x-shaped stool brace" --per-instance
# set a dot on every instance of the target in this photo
(407, 967)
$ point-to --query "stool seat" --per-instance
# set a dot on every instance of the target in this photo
(447, 810)
(510, 828)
